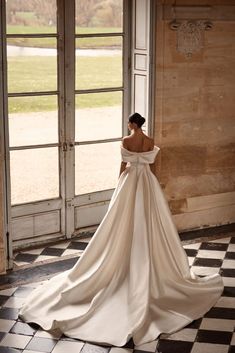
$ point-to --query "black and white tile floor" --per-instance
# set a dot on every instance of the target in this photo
(214, 333)
(62, 249)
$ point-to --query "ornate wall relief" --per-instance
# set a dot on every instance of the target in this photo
(190, 35)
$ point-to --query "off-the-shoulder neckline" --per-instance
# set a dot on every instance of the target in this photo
(155, 147)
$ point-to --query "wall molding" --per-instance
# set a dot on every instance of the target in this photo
(206, 211)
(212, 13)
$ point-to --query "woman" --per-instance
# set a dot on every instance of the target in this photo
(133, 279)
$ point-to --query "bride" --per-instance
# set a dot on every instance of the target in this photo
(133, 279)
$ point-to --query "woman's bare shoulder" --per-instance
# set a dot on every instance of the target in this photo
(148, 137)
(149, 141)
(125, 140)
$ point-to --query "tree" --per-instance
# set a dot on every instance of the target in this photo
(45, 11)
(110, 13)
(85, 11)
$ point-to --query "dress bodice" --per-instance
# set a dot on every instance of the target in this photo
(139, 157)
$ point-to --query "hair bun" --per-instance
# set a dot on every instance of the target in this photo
(137, 119)
(142, 120)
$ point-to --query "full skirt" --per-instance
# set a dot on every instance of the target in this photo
(132, 280)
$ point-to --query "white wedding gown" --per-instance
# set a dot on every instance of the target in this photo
(133, 279)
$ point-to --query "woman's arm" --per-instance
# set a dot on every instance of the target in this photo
(152, 167)
(122, 167)
(123, 164)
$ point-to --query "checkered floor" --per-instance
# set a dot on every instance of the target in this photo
(214, 333)
(62, 249)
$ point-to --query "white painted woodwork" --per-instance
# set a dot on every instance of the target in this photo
(140, 98)
(69, 114)
(141, 24)
(90, 214)
(143, 17)
(140, 62)
(4, 141)
(36, 224)
(94, 197)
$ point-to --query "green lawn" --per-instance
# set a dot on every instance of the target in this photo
(96, 42)
(31, 74)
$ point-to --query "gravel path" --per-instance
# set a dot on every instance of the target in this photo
(30, 51)
(34, 172)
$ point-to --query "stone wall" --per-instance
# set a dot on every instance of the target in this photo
(195, 117)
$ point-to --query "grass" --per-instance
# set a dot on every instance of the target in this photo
(49, 103)
(31, 74)
(34, 73)
(96, 42)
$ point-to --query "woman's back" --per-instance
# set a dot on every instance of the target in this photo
(138, 142)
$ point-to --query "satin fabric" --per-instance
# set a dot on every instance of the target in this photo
(133, 279)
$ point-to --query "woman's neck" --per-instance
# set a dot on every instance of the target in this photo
(137, 132)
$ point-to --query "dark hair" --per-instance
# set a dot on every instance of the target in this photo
(137, 118)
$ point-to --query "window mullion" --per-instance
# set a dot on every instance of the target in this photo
(69, 112)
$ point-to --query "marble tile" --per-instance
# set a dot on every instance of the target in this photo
(231, 247)
(42, 258)
(66, 346)
(120, 350)
(221, 240)
(212, 254)
(15, 341)
(166, 346)
(209, 348)
(204, 271)
(6, 325)
(213, 246)
(229, 281)
(72, 252)
(233, 340)
(187, 334)
(94, 348)
(41, 344)
(217, 324)
(147, 347)
(225, 302)
(8, 291)
(14, 302)
(23, 328)
(62, 245)
(56, 334)
(36, 251)
(192, 246)
(228, 263)
(190, 260)
(216, 337)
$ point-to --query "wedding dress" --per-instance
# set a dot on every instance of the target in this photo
(133, 279)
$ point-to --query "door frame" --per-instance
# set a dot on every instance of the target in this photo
(26, 213)
(96, 202)
(89, 209)
(4, 142)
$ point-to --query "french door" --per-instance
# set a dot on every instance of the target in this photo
(72, 73)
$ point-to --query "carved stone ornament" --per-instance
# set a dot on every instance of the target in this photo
(190, 35)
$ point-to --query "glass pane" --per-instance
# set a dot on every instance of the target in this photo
(100, 65)
(33, 120)
(32, 68)
(98, 116)
(96, 167)
(99, 16)
(31, 16)
(34, 174)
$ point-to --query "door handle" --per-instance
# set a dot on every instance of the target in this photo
(66, 145)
